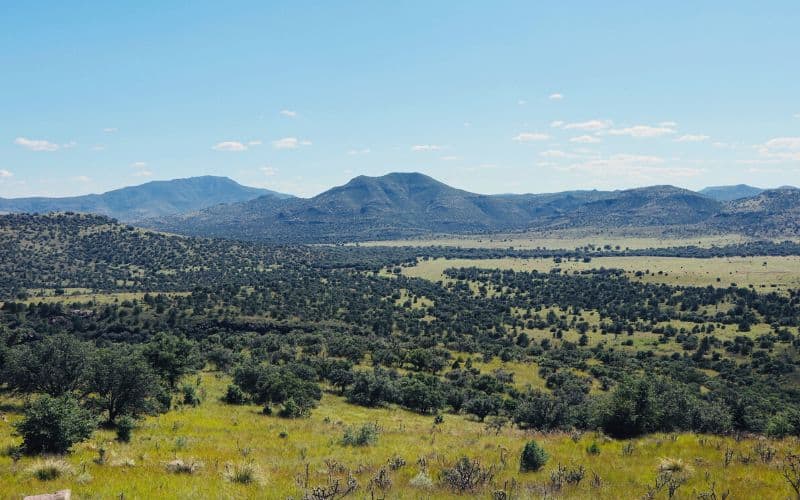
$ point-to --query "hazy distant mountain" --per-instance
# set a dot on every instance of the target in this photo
(153, 199)
(729, 193)
(410, 204)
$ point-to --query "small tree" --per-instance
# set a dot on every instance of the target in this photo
(533, 457)
(54, 424)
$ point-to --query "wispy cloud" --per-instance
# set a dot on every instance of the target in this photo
(254, 143)
(288, 113)
(692, 138)
(426, 147)
(589, 125)
(5, 174)
(531, 137)
(290, 143)
(356, 152)
(269, 171)
(235, 146)
(642, 131)
(141, 169)
(556, 96)
(585, 139)
(82, 178)
(522, 102)
(36, 144)
(556, 124)
(110, 130)
(449, 158)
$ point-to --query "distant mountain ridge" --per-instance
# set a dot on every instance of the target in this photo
(401, 205)
(730, 193)
(152, 199)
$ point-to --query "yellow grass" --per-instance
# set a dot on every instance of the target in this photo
(219, 435)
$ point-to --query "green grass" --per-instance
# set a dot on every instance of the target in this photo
(239, 442)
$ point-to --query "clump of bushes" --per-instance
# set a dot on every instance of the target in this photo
(467, 475)
(364, 435)
(54, 424)
(292, 409)
(533, 457)
(234, 395)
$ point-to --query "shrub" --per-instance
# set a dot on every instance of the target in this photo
(593, 449)
(234, 395)
(291, 409)
(365, 435)
(125, 426)
(190, 396)
(54, 424)
(467, 475)
(533, 457)
(50, 469)
(243, 473)
(422, 481)
(178, 466)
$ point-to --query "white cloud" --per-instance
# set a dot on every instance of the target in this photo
(781, 148)
(692, 138)
(290, 143)
(288, 113)
(82, 178)
(36, 144)
(555, 97)
(355, 152)
(642, 131)
(668, 124)
(585, 139)
(641, 168)
(556, 124)
(5, 174)
(449, 158)
(589, 125)
(229, 146)
(141, 169)
(110, 130)
(522, 102)
(143, 173)
(557, 153)
(254, 143)
(139, 164)
(270, 171)
(531, 136)
(426, 147)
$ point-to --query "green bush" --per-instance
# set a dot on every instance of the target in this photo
(235, 395)
(125, 425)
(190, 396)
(365, 435)
(54, 424)
(593, 449)
(533, 457)
(291, 409)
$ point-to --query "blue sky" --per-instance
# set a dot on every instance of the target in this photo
(492, 97)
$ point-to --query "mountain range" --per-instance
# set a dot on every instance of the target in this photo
(403, 205)
(152, 199)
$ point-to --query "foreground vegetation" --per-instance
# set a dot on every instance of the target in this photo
(292, 457)
(153, 365)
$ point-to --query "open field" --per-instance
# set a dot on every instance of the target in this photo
(563, 240)
(762, 273)
(217, 434)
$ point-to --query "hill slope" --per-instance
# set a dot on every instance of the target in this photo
(153, 199)
(774, 212)
(409, 204)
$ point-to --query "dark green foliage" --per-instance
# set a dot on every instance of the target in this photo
(277, 384)
(234, 395)
(54, 424)
(125, 426)
(54, 365)
(171, 356)
(121, 382)
(533, 457)
(292, 409)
